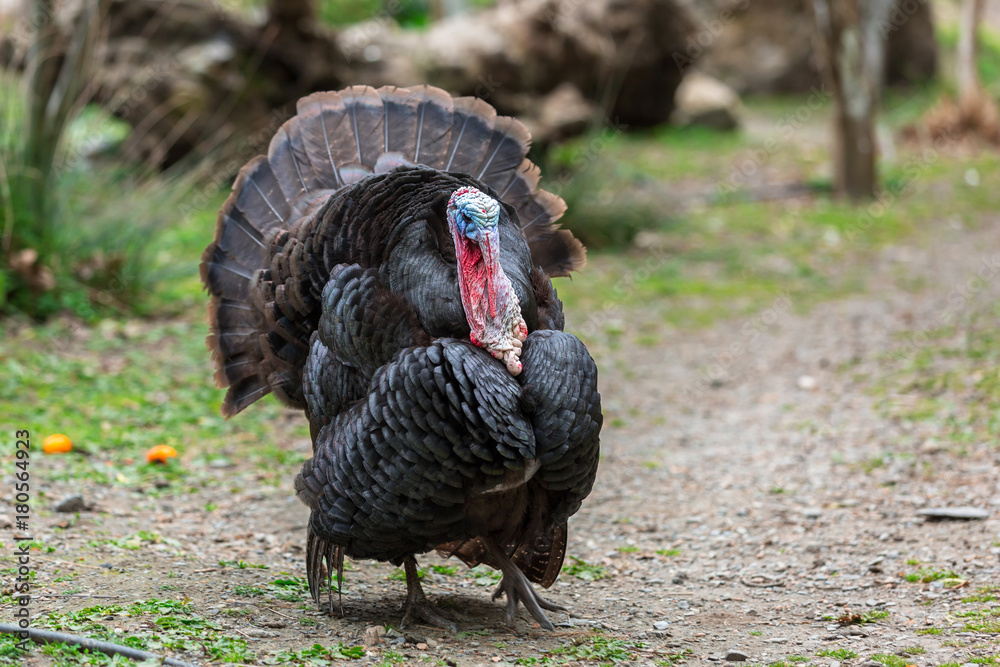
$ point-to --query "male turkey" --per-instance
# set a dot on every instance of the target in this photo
(386, 268)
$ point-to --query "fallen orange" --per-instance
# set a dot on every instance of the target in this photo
(57, 443)
(160, 454)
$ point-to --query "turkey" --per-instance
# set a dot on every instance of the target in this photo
(386, 268)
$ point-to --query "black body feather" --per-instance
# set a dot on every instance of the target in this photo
(334, 285)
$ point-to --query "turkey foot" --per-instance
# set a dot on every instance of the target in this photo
(517, 588)
(417, 606)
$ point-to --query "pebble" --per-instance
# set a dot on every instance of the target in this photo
(736, 656)
(776, 640)
(807, 382)
(661, 625)
(373, 635)
(72, 504)
(871, 663)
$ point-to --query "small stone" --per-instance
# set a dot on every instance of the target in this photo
(259, 632)
(776, 640)
(736, 656)
(393, 633)
(374, 635)
(812, 512)
(421, 646)
(6, 521)
(661, 625)
(679, 578)
(871, 663)
(72, 504)
(807, 382)
(871, 603)
(959, 513)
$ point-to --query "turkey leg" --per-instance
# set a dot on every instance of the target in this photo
(517, 588)
(417, 606)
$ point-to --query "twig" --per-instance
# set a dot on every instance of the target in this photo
(107, 648)
(291, 618)
(77, 595)
(207, 569)
(769, 581)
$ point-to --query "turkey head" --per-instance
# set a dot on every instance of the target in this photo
(491, 306)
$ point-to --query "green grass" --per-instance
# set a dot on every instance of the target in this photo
(581, 569)
(669, 553)
(874, 616)
(734, 259)
(596, 648)
(984, 594)
(164, 626)
(286, 588)
(925, 575)
(840, 654)
(890, 660)
(675, 658)
(937, 375)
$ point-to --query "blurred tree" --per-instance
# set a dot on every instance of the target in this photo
(969, 88)
(853, 39)
(977, 110)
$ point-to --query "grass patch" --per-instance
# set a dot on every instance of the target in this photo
(675, 658)
(984, 594)
(316, 655)
(669, 553)
(890, 660)
(925, 575)
(581, 569)
(286, 588)
(939, 376)
(839, 654)
(595, 648)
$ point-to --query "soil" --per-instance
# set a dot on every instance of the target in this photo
(735, 509)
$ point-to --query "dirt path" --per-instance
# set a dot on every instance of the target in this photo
(744, 510)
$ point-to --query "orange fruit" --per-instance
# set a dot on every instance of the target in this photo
(57, 443)
(160, 454)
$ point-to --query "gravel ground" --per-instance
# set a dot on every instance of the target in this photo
(734, 514)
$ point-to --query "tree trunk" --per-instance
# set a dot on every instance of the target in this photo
(853, 48)
(969, 89)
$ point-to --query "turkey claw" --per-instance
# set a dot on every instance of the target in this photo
(522, 591)
(422, 610)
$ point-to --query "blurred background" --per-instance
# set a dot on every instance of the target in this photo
(715, 156)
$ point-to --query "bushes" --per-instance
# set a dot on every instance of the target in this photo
(76, 234)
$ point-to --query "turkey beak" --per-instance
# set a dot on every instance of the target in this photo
(490, 247)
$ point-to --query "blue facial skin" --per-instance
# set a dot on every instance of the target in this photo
(470, 219)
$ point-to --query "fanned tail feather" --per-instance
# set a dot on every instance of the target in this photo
(259, 332)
